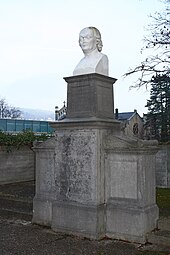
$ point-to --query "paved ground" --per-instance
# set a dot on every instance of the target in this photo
(19, 236)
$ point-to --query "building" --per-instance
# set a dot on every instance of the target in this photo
(132, 123)
(60, 114)
(17, 125)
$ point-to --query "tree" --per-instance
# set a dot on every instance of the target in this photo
(159, 42)
(7, 111)
(158, 117)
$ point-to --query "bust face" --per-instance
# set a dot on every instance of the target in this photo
(87, 40)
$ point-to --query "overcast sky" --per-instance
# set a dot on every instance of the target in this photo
(39, 46)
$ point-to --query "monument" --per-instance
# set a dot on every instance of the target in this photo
(91, 180)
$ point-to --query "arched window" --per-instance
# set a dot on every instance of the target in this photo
(135, 129)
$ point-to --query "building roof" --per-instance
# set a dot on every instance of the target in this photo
(125, 115)
(122, 116)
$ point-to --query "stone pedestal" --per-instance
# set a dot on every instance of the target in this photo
(80, 177)
(90, 95)
(130, 188)
(95, 182)
(45, 183)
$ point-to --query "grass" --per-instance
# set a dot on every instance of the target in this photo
(163, 201)
(154, 253)
(144, 253)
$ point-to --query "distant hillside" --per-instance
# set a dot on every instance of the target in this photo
(36, 114)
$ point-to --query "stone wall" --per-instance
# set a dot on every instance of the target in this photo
(129, 126)
(163, 166)
(16, 166)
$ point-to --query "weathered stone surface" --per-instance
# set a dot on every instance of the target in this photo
(163, 166)
(42, 210)
(79, 180)
(45, 185)
(95, 181)
(76, 165)
(101, 183)
(17, 165)
(126, 220)
(81, 219)
(131, 211)
(90, 95)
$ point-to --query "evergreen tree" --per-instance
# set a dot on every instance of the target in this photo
(158, 117)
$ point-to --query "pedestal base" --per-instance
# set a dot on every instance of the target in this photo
(130, 223)
(78, 219)
(90, 95)
(42, 211)
(90, 179)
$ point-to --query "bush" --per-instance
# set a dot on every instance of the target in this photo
(27, 138)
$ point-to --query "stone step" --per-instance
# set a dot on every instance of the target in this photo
(16, 208)
(160, 237)
(15, 215)
(21, 190)
(16, 200)
(19, 205)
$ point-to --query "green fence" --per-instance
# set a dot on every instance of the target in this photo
(14, 125)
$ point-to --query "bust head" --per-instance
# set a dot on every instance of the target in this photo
(90, 40)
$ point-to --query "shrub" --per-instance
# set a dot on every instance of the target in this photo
(26, 138)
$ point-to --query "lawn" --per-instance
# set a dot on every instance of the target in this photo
(153, 253)
(163, 201)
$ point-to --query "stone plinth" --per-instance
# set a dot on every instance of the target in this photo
(91, 180)
(130, 188)
(90, 95)
(79, 177)
(45, 185)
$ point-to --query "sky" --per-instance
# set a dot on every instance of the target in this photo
(39, 46)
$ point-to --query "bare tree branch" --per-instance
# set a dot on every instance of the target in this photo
(7, 111)
(159, 42)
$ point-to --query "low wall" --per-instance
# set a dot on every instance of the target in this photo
(16, 166)
(163, 166)
(19, 165)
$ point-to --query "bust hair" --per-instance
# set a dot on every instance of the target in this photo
(97, 34)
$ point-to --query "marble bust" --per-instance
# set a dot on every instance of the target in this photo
(94, 61)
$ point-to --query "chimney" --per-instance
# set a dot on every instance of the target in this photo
(56, 112)
(116, 113)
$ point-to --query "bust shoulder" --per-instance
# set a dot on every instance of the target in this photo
(93, 63)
